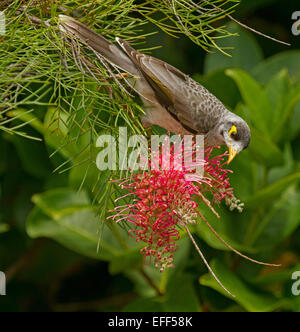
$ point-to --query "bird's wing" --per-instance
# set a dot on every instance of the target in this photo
(97, 43)
(179, 94)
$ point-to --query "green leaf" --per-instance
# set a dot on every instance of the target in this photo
(255, 98)
(230, 227)
(277, 89)
(264, 71)
(269, 194)
(57, 135)
(261, 149)
(245, 185)
(246, 53)
(144, 305)
(284, 98)
(220, 227)
(264, 151)
(66, 216)
(161, 279)
(60, 202)
(244, 294)
(181, 295)
(281, 127)
(28, 117)
(130, 259)
(293, 126)
(280, 222)
(34, 157)
(289, 166)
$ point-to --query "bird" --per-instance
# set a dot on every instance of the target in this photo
(172, 99)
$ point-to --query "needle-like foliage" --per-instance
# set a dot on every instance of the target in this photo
(60, 88)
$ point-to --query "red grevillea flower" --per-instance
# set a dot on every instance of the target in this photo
(165, 199)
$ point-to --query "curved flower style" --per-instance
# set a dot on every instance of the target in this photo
(165, 199)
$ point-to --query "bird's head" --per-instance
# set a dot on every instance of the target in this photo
(236, 135)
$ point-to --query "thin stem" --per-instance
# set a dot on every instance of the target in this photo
(232, 249)
(205, 261)
(151, 282)
(249, 28)
(258, 32)
(26, 260)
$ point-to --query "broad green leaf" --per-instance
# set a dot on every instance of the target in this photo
(85, 175)
(231, 227)
(58, 136)
(245, 53)
(289, 166)
(144, 305)
(255, 98)
(264, 151)
(277, 90)
(248, 298)
(273, 277)
(181, 295)
(59, 202)
(293, 126)
(28, 117)
(128, 260)
(33, 156)
(206, 235)
(278, 223)
(264, 71)
(281, 127)
(244, 178)
(272, 192)
(261, 149)
(141, 282)
(67, 217)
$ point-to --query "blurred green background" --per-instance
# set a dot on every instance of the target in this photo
(49, 234)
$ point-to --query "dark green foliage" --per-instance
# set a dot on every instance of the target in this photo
(55, 246)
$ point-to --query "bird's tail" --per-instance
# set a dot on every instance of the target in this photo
(96, 43)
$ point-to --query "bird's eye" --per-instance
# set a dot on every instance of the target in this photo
(232, 132)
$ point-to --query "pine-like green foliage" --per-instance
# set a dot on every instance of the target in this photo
(65, 92)
(38, 69)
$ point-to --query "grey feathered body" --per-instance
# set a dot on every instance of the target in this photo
(173, 100)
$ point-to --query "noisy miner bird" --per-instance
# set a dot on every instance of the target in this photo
(172, 99)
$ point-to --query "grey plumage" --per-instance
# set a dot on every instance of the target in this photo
(172, 99)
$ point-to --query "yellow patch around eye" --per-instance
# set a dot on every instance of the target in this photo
(232, 130)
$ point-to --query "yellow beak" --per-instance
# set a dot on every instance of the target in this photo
(232, 154)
